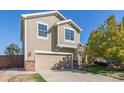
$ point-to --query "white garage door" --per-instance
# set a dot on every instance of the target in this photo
(47, 61)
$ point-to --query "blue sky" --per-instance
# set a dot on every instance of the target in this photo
(86, 19)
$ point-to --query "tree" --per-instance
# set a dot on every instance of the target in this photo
(12, 49)
(107, 41)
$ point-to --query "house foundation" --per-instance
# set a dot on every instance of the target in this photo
(29, 65)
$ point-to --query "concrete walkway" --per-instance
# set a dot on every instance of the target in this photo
(74, 76)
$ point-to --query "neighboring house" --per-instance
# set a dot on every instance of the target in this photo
(48, 38)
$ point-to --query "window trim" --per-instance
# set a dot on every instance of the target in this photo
(41, 37)
(72, 41)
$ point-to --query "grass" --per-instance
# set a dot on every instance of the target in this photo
(102, 70)
(27, 78)
(96, 69)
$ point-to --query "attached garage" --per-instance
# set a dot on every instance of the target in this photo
(46, 60)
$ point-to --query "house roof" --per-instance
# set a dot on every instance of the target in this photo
(33, 15)
(69, 21)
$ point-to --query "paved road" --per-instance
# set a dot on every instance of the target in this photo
(74, 76)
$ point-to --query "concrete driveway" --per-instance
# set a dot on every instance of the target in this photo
(74, 76)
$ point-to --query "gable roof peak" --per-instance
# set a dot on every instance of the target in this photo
(39, 14)
(69, 21)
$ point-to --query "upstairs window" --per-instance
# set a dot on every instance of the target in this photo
(42, 30)
(69, 34)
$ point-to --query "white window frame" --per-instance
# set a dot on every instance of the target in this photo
(42, 37)
(72, 41)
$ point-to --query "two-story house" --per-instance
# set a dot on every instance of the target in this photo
(47, 38)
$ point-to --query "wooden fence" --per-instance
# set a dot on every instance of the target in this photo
(15, 61)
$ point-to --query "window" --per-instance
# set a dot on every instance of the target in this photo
(69, 34)
(42, 30)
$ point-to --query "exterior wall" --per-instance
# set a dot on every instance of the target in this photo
(29, 65)
(34, 43)
(68, 50)
(55, 36)
(54, 39)
(61, 36)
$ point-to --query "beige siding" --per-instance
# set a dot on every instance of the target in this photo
(55, 36)
(68, 50)
(34, 43)
(61, 36)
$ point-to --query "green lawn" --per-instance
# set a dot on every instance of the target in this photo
(96, 69)
(118, 74)
(27, 78)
